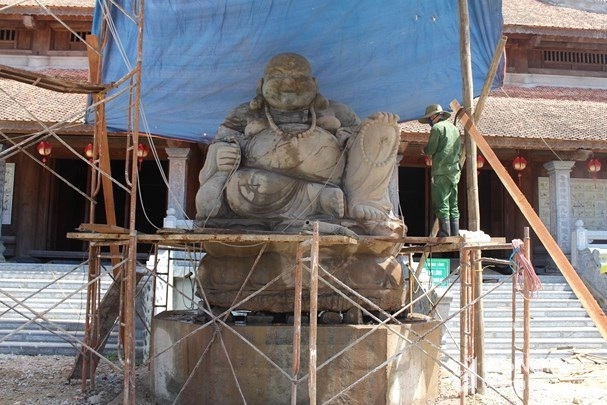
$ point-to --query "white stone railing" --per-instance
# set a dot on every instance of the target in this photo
(583, 239)
(175, 271)
(589, 258)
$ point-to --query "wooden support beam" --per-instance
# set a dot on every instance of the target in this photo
(579, 288)
(109, 308)
(50, 82)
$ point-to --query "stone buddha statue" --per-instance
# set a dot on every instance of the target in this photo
(282, 160)
(291, 155)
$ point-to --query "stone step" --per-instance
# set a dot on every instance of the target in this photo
(44, 303)
(40, 282)
(495, 302)
(569, 333)
(507, 288)
(557, 320)
(7, 335)
(62, 291)
(506, 312)
(535, 322)
(49, 348)
(507, 293)
(541, 353)
(536, 343)
(68, 325)
(549, 283)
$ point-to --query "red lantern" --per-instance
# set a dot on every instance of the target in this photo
(88, 152)
(519, 164)
(594, 166)
(44, 150)
(428, 160)
(142, 153)
(480, 162)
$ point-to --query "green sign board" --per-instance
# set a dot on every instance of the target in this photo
(438, 269)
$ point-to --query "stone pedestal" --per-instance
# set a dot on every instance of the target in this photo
(383, 368)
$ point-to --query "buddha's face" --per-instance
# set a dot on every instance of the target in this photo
(288, 84)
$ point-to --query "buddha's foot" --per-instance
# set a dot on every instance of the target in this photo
(384, 118)
(364, 212)
(332, 202)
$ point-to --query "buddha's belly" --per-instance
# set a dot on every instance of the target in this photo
(316, 157)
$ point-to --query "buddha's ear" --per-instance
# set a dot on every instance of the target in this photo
(257, 102)
(320, 102)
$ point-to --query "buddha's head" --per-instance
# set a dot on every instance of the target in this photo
(288, 83)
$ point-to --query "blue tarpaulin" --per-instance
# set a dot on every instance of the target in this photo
(202, 58)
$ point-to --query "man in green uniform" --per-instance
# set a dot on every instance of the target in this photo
(443, 146)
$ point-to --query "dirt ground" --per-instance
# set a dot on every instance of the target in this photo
(564, 378)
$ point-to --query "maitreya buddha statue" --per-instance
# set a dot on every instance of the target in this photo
(291, 155)
(288, 158)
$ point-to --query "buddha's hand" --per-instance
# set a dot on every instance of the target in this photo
(228, 156)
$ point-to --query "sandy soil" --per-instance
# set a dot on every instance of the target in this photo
(565, 378)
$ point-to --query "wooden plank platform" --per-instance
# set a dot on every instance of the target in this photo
(410, 244)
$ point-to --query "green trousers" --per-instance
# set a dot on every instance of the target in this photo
(444, 196)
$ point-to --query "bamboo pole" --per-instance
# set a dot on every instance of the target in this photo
(477, 321)
(577, 285)
(100, 148)
(497, 56)
(526, 320)
(464, 324)
(470, 146)
(131, 284)
(313, 316)
(91, 328)
(297, 322)
(513, 333)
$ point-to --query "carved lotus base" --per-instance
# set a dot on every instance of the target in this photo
(261, 277)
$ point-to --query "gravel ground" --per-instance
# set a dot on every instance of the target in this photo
(565, 378)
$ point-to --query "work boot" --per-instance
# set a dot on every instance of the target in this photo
(455, 227)
(444, 227)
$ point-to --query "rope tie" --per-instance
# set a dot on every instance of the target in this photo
(524, 268)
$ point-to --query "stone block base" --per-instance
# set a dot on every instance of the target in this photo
(196, 365)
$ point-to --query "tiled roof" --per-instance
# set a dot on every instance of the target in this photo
(49, 3)
(24, 102)
(538, 14)
(548, 113)
(60, 8)
(514, 112)
(566, 114)
(511, 112)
